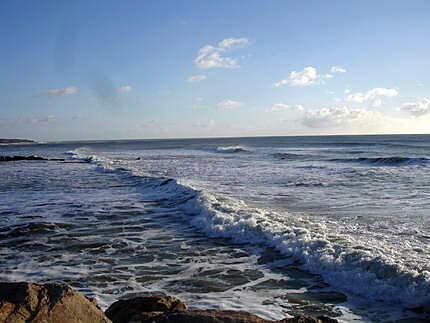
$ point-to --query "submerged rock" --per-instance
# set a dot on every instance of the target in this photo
(50, 303)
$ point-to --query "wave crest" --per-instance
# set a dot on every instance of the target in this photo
(232, 149)
(354, 270)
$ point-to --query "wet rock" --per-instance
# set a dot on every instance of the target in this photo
(167, 309)
(311, 297)
(143, 308)
(309, 319)
(32, 157)
(50, 303)
(208, 316)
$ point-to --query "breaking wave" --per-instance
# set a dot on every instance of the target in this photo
(352, 270)
(232, 149)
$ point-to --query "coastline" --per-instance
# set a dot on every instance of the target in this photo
(36, 303)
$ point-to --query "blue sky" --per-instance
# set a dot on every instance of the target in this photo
(159, 69)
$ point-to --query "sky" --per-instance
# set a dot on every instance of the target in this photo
(76, 70)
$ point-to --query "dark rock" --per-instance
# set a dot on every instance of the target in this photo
(168, 309)
(49, 303)
(309, 319)
(19, 158)
(207, 316)
(52, 303)
(312, 297)
(144, 307)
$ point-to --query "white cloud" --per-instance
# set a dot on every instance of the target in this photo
(229, 104)
(125, 88)
(196, 78)
(233, 42)
(334, 116)
(376, 103)
(347, 91)
(337, 69)
(61, 92)
(372, 95)
(210, 56)
(307, 77)
(279, 107)
(417, 109)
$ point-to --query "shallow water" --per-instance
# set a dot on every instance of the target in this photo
(277, 226)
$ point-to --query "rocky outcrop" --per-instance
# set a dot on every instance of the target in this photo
(49, 303)
(58, 303)
(168, 309)
(19, 158)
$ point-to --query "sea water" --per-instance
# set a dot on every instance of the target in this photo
(334, 225)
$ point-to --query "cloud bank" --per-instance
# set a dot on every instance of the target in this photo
(417, 109)
(334, 116)
(373, 95)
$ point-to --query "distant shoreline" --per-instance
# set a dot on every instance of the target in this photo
(16, 141)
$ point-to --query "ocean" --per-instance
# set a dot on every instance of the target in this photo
(333, 225)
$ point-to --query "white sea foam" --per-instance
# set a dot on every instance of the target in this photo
(339, 259)
(232, 149)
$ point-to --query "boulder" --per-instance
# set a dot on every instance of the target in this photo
(309, 319)
(143, 307)
(49, 303)
(52, 303)
(169, 309)
(208, 316)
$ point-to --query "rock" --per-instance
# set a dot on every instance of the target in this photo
(168, 309)
(19, 158)
(144, 307)
(208, 316)
(49, 303)
(311, 297)
(52, 303)
(309, 319)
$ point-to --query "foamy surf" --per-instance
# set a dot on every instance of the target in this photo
(232, 149)
(343, 264)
